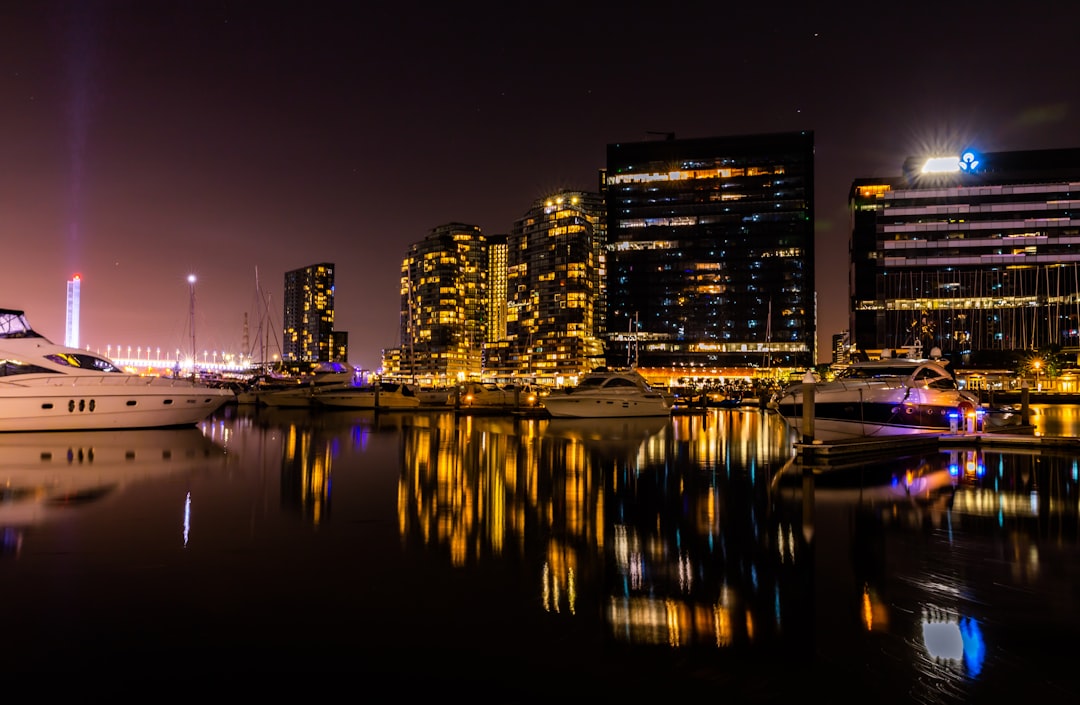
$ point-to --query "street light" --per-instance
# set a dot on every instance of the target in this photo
(1037, 364)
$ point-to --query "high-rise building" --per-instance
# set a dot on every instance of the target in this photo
(71, 330)
(308, 321)
(710, 262)
(970, 253)
(554, 291)
(841, 348)
(444, 306)
(496, 287)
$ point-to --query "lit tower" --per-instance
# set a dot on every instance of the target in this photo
(191, 285)
(71, 333)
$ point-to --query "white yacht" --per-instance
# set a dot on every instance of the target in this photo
(50, 387)
(381, 395)
(892, 396)
(488, 395)
(300, 391)
(608, 393)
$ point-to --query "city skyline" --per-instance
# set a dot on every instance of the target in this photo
(147, 143)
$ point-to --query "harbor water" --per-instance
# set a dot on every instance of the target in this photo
(506, 559)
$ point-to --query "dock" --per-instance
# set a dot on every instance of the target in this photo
(1020, 438)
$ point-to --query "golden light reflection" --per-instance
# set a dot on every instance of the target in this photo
(595, 490)
(724, 632)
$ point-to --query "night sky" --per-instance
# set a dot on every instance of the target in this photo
(144, 141)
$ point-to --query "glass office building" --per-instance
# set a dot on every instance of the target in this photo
(968, 253)
(710, 262)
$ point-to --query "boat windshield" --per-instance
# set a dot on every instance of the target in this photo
(13, 324)
(607, 383)
(927, 375)
(591, 383)
(878, 371)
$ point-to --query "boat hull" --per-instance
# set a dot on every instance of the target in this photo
(846, 418)
(365, 400)
(570, 406)
(106, 403)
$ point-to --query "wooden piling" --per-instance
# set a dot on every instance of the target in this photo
(808, 408)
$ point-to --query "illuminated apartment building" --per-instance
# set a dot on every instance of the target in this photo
(496, 288)
(971, 253)
(309, 335)
(710, 262)
(554, 291)
(444, 306)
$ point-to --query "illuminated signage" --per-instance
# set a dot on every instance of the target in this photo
(968, 162)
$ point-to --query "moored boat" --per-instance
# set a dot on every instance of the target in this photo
(301, 392)
(608, 393)
(891, 396)
(488, 395)
(383, 395)
(50, 387)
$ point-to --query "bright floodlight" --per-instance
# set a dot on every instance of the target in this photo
(191, 278)
(941, 165)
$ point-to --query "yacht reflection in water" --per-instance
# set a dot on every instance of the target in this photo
(47, 475)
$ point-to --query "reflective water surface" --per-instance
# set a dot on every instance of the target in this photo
(513, 560)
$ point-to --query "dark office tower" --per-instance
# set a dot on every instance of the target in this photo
(711, 253)
(308, 321)
(554, 289)
(841, 354)
(444, 305)
(975, 254)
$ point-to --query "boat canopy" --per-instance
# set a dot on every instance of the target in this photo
(13, 324)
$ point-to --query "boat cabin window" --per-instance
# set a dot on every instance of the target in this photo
(591, 382)
(83, 362)
(620, 382)
(14, 367)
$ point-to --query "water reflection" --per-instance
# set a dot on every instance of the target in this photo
(952, 561)
(44, 477)
(646, 558)
(704, 534)
(1056, 419)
